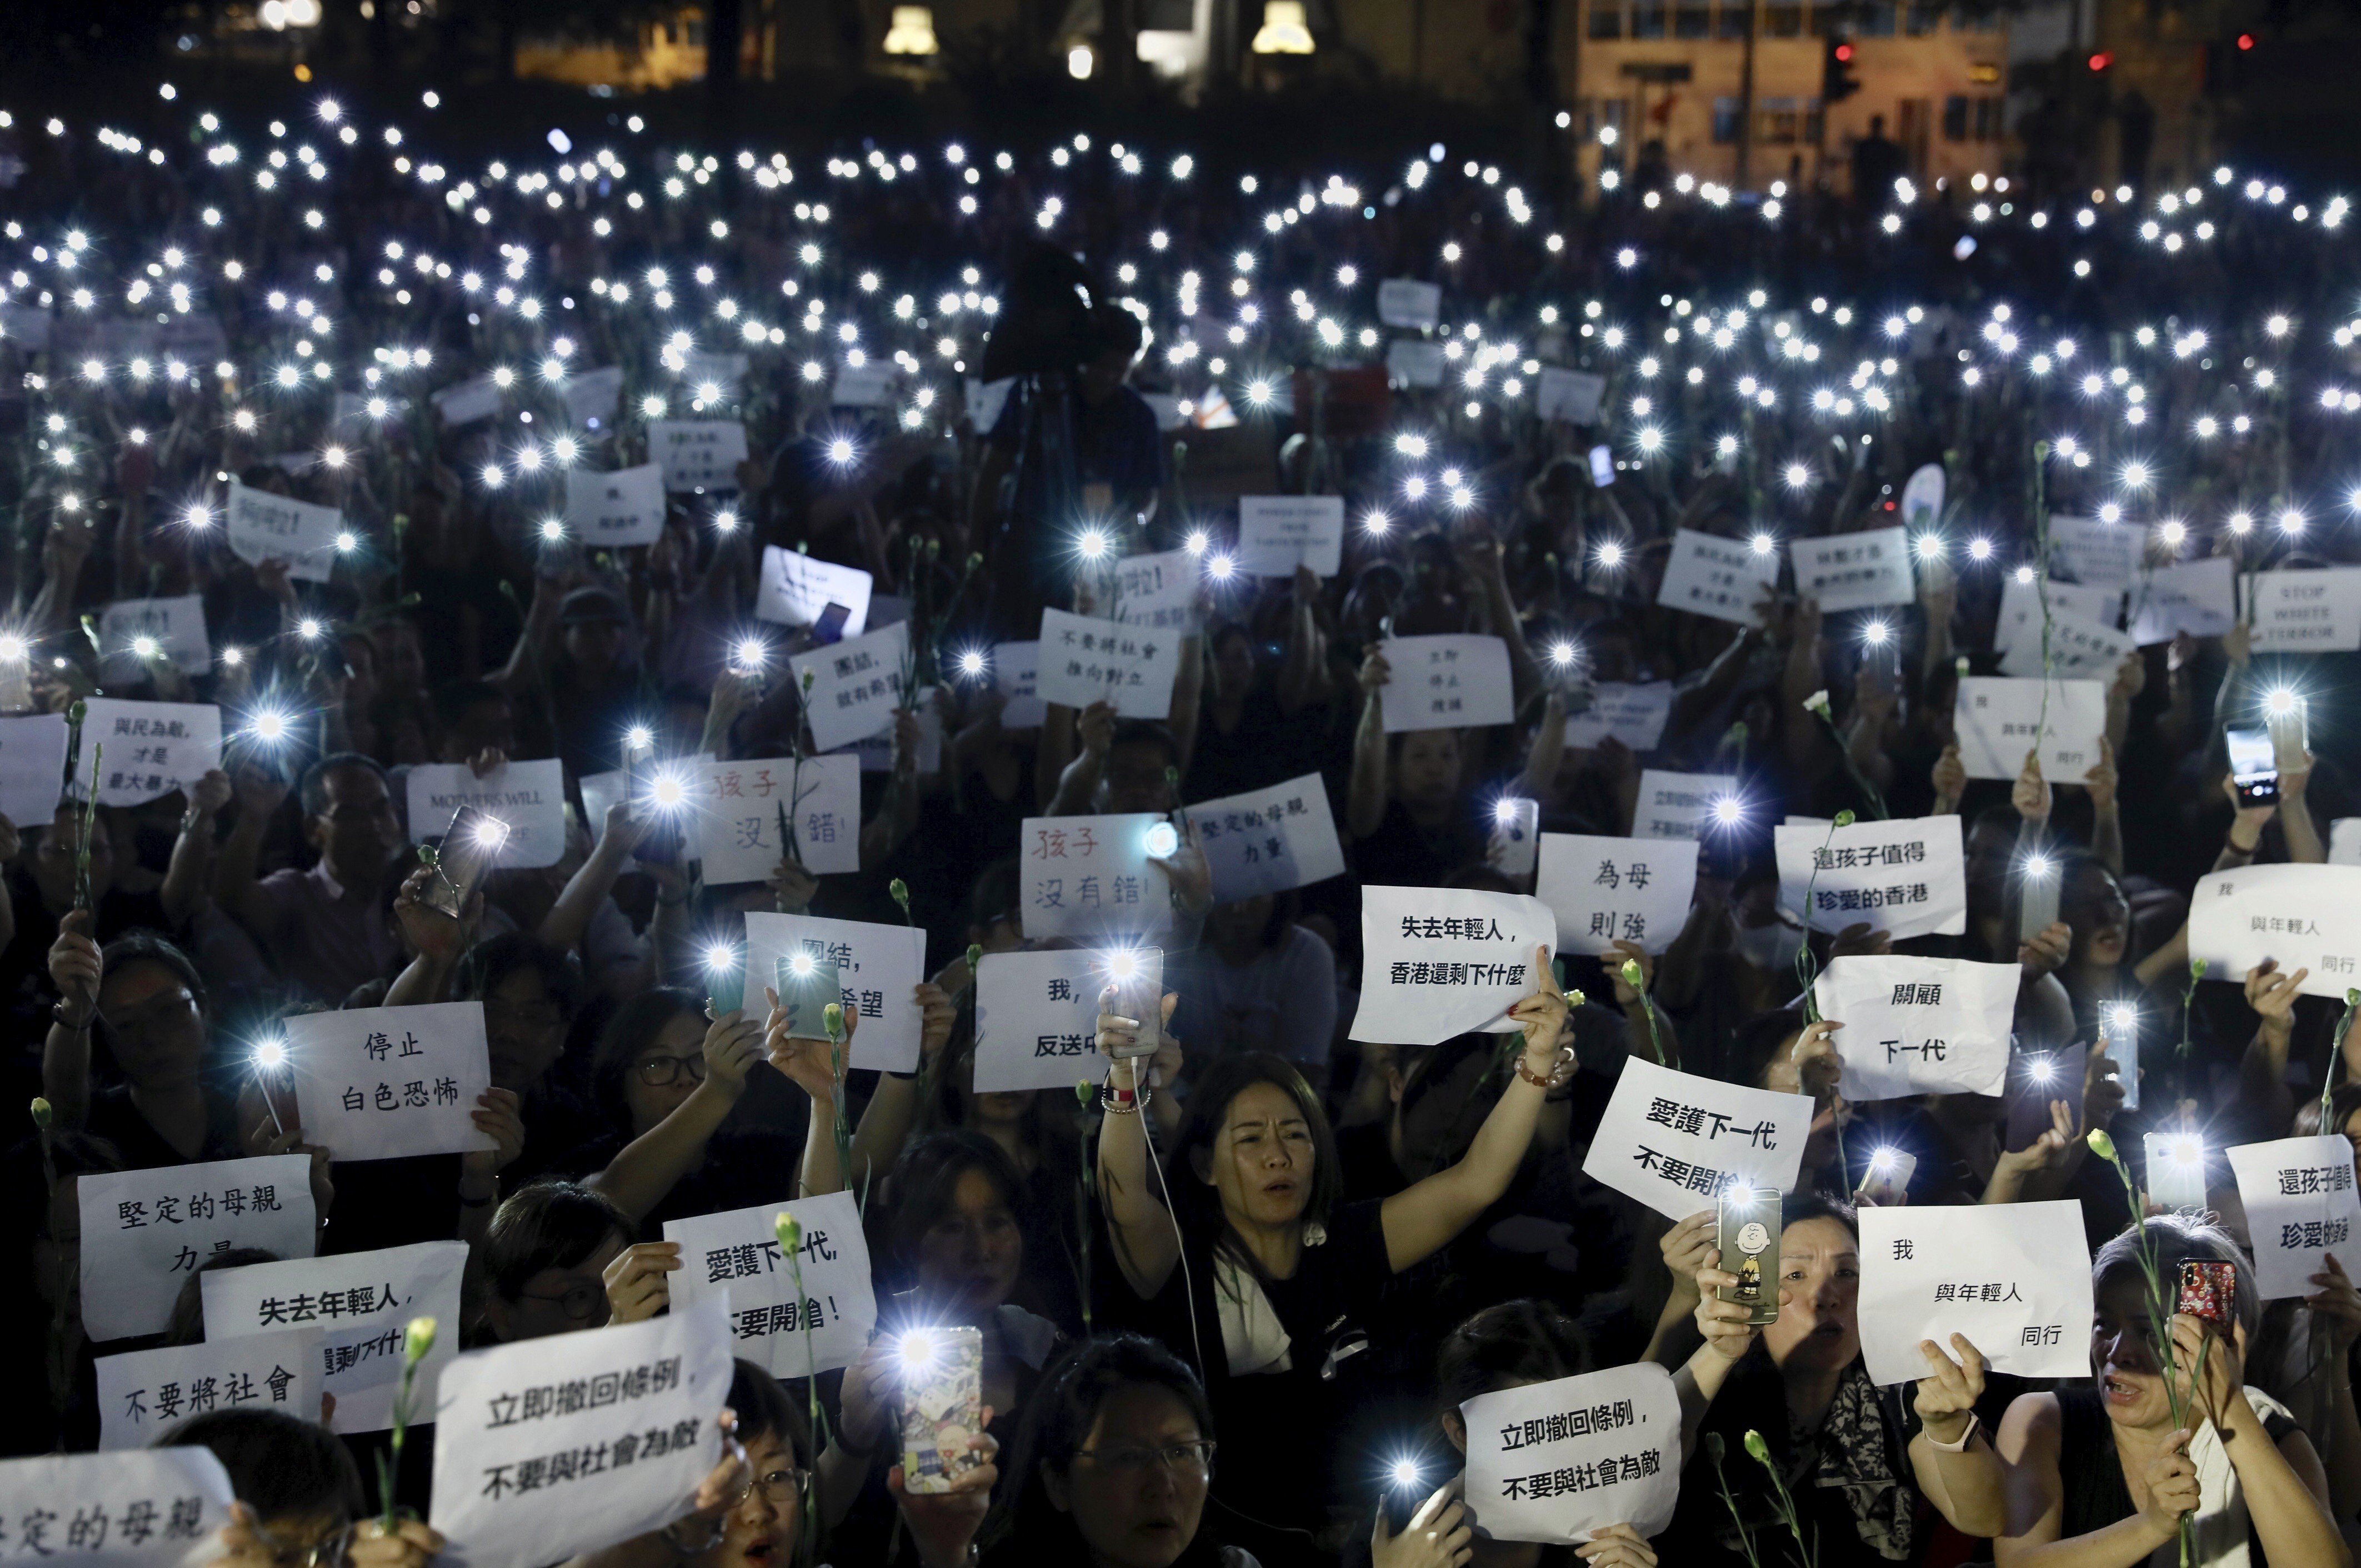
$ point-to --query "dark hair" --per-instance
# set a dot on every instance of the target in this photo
(764, 1408)
(1147, 732)
(995, 897)
(2178, 1239)
(920, 1190)
(1795, 1208)
(455, 699)
(1529, 1341)
(315, 786)
(484, 966)
(1197, 1205)
(187, 1325)
(144, 945)
(1755, 1044)
(632, 1029)
(549, 1224)
(2343, 1102)
(1032, 1531)
(279, 1467)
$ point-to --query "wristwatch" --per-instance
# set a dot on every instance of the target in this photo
(1966, 1437)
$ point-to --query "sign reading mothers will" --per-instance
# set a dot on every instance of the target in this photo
(1905, 877)
(153, 749)
(2301, 1209)
(698, 454)
(1674, 1141)
(1268, 841)
(798, 1315)
(528, 799)
(265, 526)
(1442, 962)
(158, 1508)
(32, 763)
(1680, 805)
(607, 510)
(878, 970)
(1998, 720)
(1854, 571)
(1605, 890)
(145, 1233)
(742, 807)
(1278, 533)
(144, 1392)
(1446, 683)
(361, 1302)
(1919, 1025)
(1556, 1461)
(1037, 1016)
(137, 634)
(1090, 877)
(2305, 917)
(1724, 579)
(553, 1446)
(2012, 1278)
(1633, 715)
(388, 1082)
(1084, 659)
(796, 589)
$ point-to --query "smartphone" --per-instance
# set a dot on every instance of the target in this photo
(829, 626)
(1602, 466)
(2034, 1079)
(2175, 1170)
(1137, 976)
(943, 1406)
(1890, 1171)
(2254, 766)
(467, 853)
(1515, 837)
(1747, 1220)
(2210, 1290)
(806, 983)
(2037, 901)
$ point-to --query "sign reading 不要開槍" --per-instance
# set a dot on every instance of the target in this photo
(797, 1316)
(878, 970)
(1674, 1141)
(150, 1508)
(1998, 720)
(361, 1302)
(1036, 1015)
(2306, 917)
(1090, 877)
(1605, 890)
(2012, 1278)
(142, 1392)
(1905, 876)
(2301, 1209)
(1442, 962)
(1723, 578)
(1447, 682)
(390, 1082)
(1556, 1461)
(145, 1233)
(1919, 1025)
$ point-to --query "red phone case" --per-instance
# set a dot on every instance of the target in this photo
(2210, 1290)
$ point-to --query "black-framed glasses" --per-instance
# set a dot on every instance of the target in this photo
(656, 1072)
(1180, 1458)
(328, 1553)
(579, 1301)
(781, 1486)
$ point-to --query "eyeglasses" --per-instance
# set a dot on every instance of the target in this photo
(579, 1302)
(781, 1488)
(173, 1009)
(328, 1552)
(658, 1072)
(1180, 1458)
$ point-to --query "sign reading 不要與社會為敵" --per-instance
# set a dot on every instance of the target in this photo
(1682, 806)
(1556, 1461)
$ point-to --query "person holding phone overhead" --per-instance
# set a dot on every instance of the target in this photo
(1240, 1250)
(2100, 1477)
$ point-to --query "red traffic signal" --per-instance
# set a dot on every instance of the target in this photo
(1844, 52)
(2102, 59)
(2245, 40)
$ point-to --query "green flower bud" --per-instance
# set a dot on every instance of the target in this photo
(78, 712)
(2197, 968)
(974, 961)
(43, 1114)
(1846, 818)
(2101, 1145)
(1576, 999)
(1756, 1446)
(417, 1339)
(1083, 1090)
(1632, 974)
(832, 1017)
(791, 1234)
(2352, 998)
(425, 854)
(1738, 731)
(1714, 1447)
(901, 891)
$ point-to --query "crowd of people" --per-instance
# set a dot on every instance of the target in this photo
(986, 379)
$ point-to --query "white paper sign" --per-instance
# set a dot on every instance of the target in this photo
(142, 1394)
(2308, 611)
(855, 685)
(1554, 1461)
(1571, 395)
(1442, 962)
(607, 510)
(1634, 715)
(1406, 302)
(2078, 648)
(878, 970)
(529, 798)
(602, 791)
(714, 377)
(986, 399)
(1724, 579)
(2018, 629)
(2306, 917)
(1270, 839)
(263, 526)
(1673, 1141)
(2344, 835)
(158, 1508)
(1156, 590)
(32, 766)
(797, 1317)
(1854, 571)
(796, 588)
(1997, 719)
(2097, 555)
(553, 1446)
(593, 397)
(2199, 598)
(1016, 671)
(173, 628)
(2014, 1278)
(1090, 877)
(2301, 1209)
(389, 1082)
(1084, 659)
(1679, 805)
(737, 825)
(866, 385)
(464, 402)
(1919, 1025)
(1905, 877)
(876, 751)
(1413, 363)
(361, 1302)
(152, 747)
(1609, 890)
(1446, 683)
(1922, 498)
(1277, 534)
(144, 1232)
(1036, 1017)
(698, 454)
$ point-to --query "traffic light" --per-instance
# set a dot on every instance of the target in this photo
(1837, 81)
(2103, 59)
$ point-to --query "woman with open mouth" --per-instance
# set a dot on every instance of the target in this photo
(2103, 1476)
